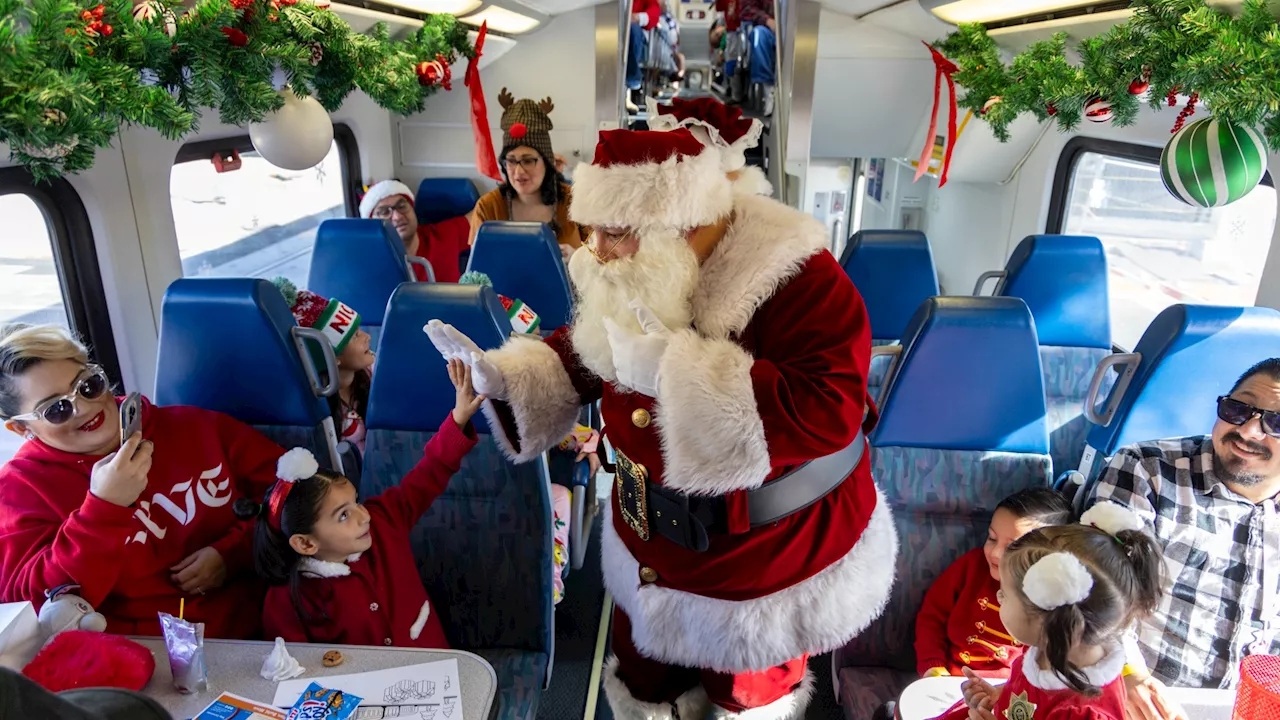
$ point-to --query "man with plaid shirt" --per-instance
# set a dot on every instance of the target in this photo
(1210, 502)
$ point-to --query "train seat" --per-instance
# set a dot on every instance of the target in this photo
(485, 546)
(523, 261)
(444, 198)
(962, 426)
(1167, 387)
(1063, 279)
(211, 329)
(894, 272)
(360, 262)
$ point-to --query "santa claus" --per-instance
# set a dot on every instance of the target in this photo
(729, 352)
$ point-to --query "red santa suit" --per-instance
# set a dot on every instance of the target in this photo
(769, 374)
(1034, 693)
(959, 623)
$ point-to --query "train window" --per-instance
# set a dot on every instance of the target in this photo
(259, 220)
(49, 268)
(1161, 251)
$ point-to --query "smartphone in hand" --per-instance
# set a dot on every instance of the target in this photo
(130, 416)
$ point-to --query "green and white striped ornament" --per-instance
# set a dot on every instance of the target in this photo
(1211, 163)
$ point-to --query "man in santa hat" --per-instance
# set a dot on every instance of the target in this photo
(729, 352)
(440, 243)
(719, 126)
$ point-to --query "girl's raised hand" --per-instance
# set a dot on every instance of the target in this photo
(467, 402)
(976, 690)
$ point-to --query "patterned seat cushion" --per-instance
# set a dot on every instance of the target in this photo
(520, 677)
(942, 502)
(860, 690)
(1067, 374)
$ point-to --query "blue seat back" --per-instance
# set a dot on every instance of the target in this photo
(360, 262)
(894, 272)
(211, 330)
(1190, 354)
(962, 427)
(484, 547)
(523, 261)
(443, 198)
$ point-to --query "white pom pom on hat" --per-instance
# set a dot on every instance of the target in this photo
(1111, 518)
(1055, 580)
(297, 464)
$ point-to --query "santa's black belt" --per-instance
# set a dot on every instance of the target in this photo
(690, 520)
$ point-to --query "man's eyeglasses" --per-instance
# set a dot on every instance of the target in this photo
(613, 236)
(1236, 412)
(528, 163)
(90, 385)
(384, 213)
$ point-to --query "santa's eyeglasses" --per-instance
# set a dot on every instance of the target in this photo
(613, 237)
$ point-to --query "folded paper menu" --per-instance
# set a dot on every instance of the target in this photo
(234, 707)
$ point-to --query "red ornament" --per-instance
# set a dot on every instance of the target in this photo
(86, 16)
(1186, 112)
(1051, 110)
(1172, 97)
(235, 37)
(519, 130)
(107, 29)
(1137, 87)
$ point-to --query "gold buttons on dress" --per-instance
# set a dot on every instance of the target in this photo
(648, 575)
(641, 418)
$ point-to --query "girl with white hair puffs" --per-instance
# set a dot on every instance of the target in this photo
(1068, 592)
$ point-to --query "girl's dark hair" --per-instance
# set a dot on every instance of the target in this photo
(359, 395)
(552, 180)
(1040, 505)
(1128, 573)
(274, 558)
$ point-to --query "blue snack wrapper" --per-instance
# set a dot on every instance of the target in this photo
(318, 703)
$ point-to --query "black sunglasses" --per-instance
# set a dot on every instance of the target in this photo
(1236, 412)
(91, 384)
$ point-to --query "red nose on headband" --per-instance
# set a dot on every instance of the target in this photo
(297, 464)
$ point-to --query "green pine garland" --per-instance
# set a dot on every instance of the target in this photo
(1233, 63)
(66, 87)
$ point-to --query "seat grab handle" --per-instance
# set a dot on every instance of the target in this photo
(300, 337)
(895, 354)
(988, 275)
(1126, 364)
(422, 262)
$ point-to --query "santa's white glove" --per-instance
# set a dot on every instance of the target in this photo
(637, 357)
(486, 378)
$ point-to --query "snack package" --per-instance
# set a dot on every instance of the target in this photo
(185, 643)
(318, 703)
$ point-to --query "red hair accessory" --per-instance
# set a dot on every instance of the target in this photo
(519, 130)
(297, 464)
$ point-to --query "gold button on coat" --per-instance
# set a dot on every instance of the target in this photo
(648, 575)
(641, 418)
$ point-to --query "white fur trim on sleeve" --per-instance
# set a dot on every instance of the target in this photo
(1111, 518)
(813, 616)
(540, 395)
(712, 436)
(751, 180)
(679, 193)
(1055, 580)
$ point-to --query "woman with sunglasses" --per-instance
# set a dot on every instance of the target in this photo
(534, 190)
(139, 525)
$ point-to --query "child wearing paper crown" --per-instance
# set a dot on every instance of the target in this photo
(1068, 592)
(342, 572)
(340, 324)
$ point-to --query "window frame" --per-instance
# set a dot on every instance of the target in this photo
(75, 258)
(348, 152)
(1071, 153)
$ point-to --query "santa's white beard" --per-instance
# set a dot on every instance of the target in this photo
(661, 275)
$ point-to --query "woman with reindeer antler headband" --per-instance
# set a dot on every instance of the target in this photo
(534, 190)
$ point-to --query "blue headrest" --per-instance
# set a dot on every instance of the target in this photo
(523, 261)
(411, 388)
(443, 198)
(893, 271)
(225, 346)
(360, 262)
(1063, 279)
(969, 379)
(1191, 354)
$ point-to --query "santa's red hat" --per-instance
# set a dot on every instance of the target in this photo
(381, 191)
(642, 178)
(84, 659)
(712, 122)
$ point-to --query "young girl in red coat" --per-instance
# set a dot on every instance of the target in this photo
(959, 623)
(1067, 593)
(342, 572)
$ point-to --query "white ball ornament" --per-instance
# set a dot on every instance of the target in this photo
(151, 11)
(295, 137)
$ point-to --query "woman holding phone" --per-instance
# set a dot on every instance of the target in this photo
(139, 524)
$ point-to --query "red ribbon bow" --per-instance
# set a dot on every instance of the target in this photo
(486, 160)
(947, 68)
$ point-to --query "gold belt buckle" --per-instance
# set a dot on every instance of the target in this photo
(633, 501)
